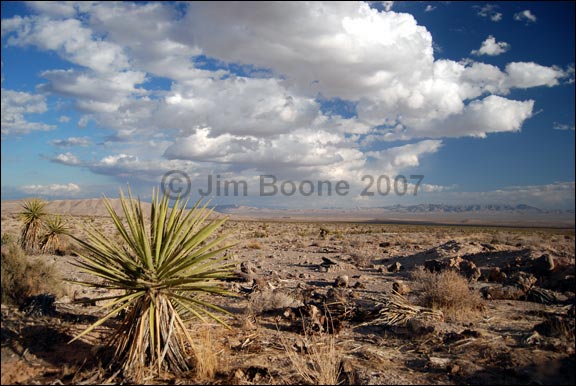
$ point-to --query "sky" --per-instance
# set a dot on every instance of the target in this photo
(296, 104)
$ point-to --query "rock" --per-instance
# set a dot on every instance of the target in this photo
(326, 261)
(239, 374)
(469, 270)
(418, 327)
(400, 287)
(396, 267)
(544, 296)
(341, 281)
(247, 267)
(347, 370)
(242, 277)
(438, 363)
(532, 339)
(489, 247)
(39, 305)
(289, 314)
(496, 275)
(359, 285)
(555, 326)
(455, 262)
(435, 265)
(259, 284)
(385, 244)
(334, 268)
(503, 292)
(453, 368)
(522, 279)
(543, 265)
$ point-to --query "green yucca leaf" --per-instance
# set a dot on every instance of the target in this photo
(164, 262)
(56, 229)
(32, 215)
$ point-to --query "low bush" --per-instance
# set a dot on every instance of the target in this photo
(447, 291)
(24, 276)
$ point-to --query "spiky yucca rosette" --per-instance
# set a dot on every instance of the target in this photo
(32, 215)
(55, 229)
(164, 265)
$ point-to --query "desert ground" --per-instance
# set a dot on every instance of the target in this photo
(511, 322)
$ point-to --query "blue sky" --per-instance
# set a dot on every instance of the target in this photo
(477, 97)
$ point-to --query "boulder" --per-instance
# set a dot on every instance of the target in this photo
(400, 287)
(469, 270)
(396, 267)
(341, 281)
(543, 265)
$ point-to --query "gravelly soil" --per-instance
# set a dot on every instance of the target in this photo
(498, 345)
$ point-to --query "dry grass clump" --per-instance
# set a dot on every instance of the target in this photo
(24, 276)
(254, 244)
(447, 291)
(208, 358)
(360, 252)
(319, 360)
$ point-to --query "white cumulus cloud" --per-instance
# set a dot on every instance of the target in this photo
(70, 189)
(165, 86)
(489, 11)
(16, 106)
(66, 159)
(530, 74)
(71, 141)
(491, 47)
(525, 15)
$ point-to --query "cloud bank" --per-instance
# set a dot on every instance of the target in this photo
(248, 97)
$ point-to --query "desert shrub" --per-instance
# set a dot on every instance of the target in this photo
(324, 232)
(167, 264)
(338, 235)
(303, 232)
(8, 239)
(360, 253)
(264, 301)
(299, 244)
(259, 234)
(24, 276)
(447, 291)
(361, 259)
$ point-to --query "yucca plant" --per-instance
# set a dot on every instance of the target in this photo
(56, 229)
(32, 215)
(167, 262)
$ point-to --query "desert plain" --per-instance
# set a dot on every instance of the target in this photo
(506, 295)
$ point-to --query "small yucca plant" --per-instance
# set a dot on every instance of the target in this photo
(164, 266)
(32, 215)
(56, 228)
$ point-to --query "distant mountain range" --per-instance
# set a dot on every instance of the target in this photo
(489, 214)
(420, 208)
(495, 214)
(438, 208)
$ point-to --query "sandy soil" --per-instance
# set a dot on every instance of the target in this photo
(503, 343)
